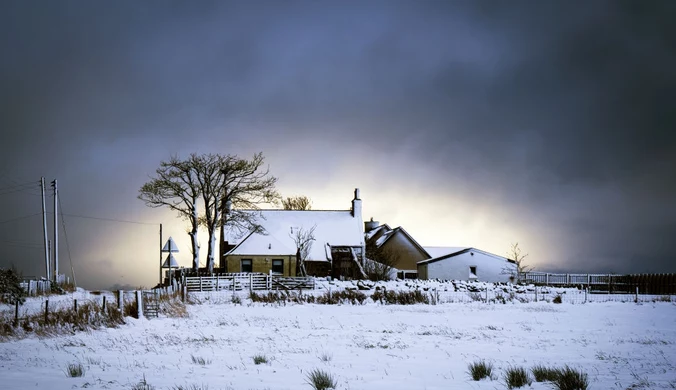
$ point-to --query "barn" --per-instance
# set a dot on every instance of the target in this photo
(467, 264)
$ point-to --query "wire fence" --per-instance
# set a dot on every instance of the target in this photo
(443, 296)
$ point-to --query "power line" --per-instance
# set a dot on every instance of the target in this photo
(109, 219)
(70, 259)
(27, 190)
(22, 185)
(20, 218)
(20, 245)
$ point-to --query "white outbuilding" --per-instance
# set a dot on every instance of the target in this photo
(467, 264)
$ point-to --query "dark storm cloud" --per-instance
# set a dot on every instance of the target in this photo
(559, 111)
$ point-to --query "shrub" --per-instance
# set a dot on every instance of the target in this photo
(260, 359)
(89, 315)
(236, 299)
(174, 308)
(131, 309)
(75, 370)
(516, 377)
(475, 296)
(325, 357)
(400, 297)
(480, 369)
(570, 379)
(545, 374)
(557, 299)
(340, 297)
(321, 380)
(11, 291)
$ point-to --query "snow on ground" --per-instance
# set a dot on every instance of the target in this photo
(372, 346)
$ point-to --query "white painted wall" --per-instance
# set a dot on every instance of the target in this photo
(490, 268)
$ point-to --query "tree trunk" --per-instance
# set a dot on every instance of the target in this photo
(212, 241)
(193, 236)
(195, 249)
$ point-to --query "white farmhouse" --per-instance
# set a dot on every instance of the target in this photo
(451, 263)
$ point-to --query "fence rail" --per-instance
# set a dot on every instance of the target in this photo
(609, 283)
(34, 287)
(247, 281)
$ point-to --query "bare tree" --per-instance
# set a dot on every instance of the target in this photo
(514, 254)
(379, 263)
(301, 202)
(303, 238)
(175, 186)
(243, 184)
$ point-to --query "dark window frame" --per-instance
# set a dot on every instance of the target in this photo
(241, 265)
(281, 267)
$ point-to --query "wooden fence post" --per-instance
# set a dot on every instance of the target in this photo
(16, 313)
(75, 305)
(636, 294)
(250, 283)
(104, 303)
(46, 311)
(536, 293)
(586, 290)
(139, 304)
(547, 279)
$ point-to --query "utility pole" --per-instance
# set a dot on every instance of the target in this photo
(44, 227)
(56, 232)
(160, 254)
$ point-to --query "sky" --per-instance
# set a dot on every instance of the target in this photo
(479, 123)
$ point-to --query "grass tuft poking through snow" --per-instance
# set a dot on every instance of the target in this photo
(571, 379)
(542, 373)
(480, 369)
(260, 359)
(321, 380)
(75, 370)
(325, 357)
(200, 360)
(516, 377)
(143, 385)
(190, 387)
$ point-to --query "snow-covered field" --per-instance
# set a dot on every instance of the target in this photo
(372, 346)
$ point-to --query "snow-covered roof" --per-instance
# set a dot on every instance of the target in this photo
(373, 232)
(333, 228)
(438, 251)
(461, 251)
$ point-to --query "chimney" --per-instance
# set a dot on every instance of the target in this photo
(356, 204)
(370, 225)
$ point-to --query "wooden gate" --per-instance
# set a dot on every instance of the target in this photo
(151, 303)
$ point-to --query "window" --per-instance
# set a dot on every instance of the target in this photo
(472, 271)
(245, 265)
(277, 267)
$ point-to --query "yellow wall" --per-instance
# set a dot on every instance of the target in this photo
(422, 271)
(408, 255)
(262, 264)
